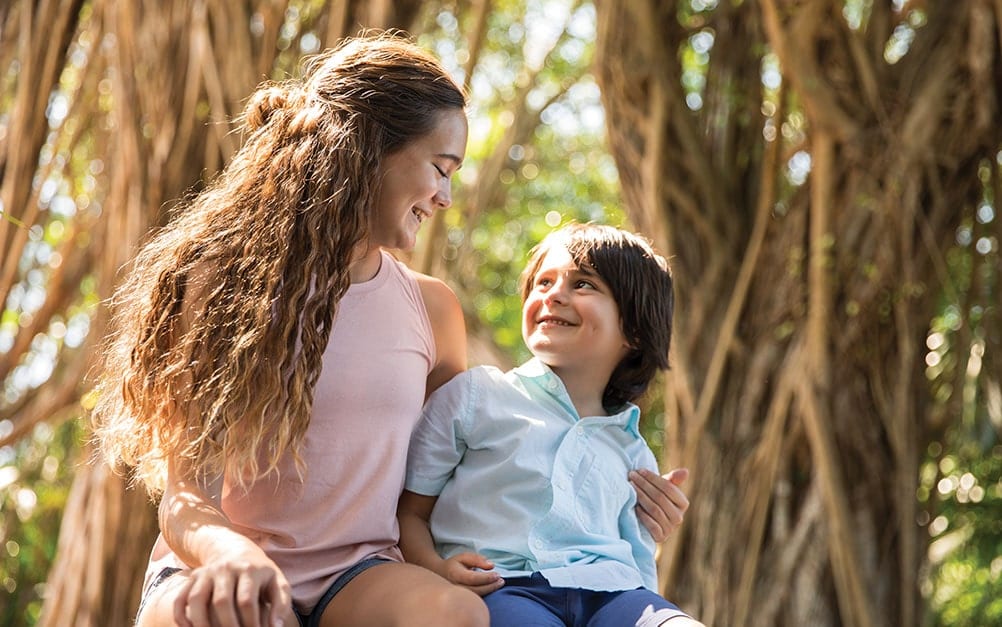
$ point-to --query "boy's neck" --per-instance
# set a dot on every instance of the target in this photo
(585, 387)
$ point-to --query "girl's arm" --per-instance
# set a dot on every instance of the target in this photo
(446, 316)
(232, 581)
(466, 569)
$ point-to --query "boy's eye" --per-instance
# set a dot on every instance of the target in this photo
(584, 284)
(441, 172)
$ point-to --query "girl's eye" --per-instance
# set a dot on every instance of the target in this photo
(543, 282)
(441, 172)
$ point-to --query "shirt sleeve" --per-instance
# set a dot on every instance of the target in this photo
(635, 533)
(437, 444)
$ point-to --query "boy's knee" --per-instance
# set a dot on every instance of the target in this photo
(682, 621)
(666, 617)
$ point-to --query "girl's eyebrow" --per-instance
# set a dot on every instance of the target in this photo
(451, 157)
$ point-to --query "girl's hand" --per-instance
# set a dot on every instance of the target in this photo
(472, 571)
(242, 592)
(661, 503)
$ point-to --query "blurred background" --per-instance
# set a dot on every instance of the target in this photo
(824, 176)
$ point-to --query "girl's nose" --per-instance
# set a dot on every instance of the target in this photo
(443, 197)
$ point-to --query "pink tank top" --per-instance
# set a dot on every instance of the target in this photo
(367, 401)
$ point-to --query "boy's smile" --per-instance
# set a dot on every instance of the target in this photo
(543, 320)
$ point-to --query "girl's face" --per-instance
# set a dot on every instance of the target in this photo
(570, 318)
(415, 180)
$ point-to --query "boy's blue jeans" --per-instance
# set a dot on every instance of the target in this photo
(532, 601)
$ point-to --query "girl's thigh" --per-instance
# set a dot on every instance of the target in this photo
(157, 606)
(403, 594)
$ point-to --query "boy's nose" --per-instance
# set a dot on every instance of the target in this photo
(557, 293)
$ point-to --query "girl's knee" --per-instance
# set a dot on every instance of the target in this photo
(464, 607)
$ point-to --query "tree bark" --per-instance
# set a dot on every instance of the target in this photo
(798, 394)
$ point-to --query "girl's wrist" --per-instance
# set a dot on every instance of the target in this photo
(222, 544)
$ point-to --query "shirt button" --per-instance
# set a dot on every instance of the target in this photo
(579, 429)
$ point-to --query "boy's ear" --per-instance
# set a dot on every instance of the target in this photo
(635, 354)
(631, 343)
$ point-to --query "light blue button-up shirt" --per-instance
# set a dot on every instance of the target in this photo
(529, 484)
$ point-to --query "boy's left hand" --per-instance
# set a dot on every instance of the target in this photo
(661, 503)
(473, 571)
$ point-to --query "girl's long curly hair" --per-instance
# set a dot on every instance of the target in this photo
(223, 317)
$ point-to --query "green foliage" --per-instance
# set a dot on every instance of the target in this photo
(561, 173)
(961, 478)
(965, 584)
(35, 479)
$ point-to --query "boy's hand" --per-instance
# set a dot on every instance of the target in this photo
(472, 571)
(661, 504)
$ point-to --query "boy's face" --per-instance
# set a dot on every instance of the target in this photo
(570, 318)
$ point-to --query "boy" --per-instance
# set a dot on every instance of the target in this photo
(522, 475)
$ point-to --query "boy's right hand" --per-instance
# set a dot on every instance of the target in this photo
(473, 571)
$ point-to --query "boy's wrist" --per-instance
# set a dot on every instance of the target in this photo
(426, 558)
(430, 560)
(436, 564)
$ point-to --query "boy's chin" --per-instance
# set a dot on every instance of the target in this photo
(548, 357)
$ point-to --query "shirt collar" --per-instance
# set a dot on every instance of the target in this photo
(537, 371)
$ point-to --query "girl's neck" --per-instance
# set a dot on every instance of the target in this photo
(365, 264)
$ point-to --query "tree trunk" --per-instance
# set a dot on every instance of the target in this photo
(797, 393)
